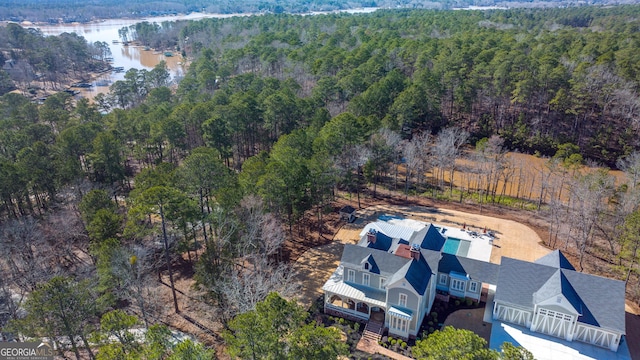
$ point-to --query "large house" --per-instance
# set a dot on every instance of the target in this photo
(393, 274)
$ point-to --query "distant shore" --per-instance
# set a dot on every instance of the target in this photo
(179, 17)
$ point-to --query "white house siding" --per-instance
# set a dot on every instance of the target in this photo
(513, 315)
(554, 323)
(597, 336)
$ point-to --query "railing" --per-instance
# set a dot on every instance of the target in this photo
(344, 312)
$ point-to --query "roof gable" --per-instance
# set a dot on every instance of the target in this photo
(518, 280)
(387, 264)
(555, 259)
(432, 240)
(558, 291)
(599, 300)
(415, 272)
(373, 267)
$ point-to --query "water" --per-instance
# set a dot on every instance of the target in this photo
(131, 56)
(451, 246)
(127, 57)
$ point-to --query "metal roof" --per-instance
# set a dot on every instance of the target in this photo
(336, 285)
(402, 314)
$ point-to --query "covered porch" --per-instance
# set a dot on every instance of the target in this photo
(347, 307)
(353, 301)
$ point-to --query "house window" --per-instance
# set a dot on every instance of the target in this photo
(365, 279)
(366, 266)
(443, 279)
(473, 287)
(457, 285)
(398, 324)
(351, 276)
(383, 282)
(402, 301)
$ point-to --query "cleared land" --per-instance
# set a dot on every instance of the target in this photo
(513, 240)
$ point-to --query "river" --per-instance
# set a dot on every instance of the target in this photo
(131, 56)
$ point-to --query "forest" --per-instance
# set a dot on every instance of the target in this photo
(89, 10)
(109, 204)
(84, 11)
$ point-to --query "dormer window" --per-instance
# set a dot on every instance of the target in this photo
(366, 266)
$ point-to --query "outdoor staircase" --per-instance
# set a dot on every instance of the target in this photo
(373, 331)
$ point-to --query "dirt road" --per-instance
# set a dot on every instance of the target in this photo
(513, 240)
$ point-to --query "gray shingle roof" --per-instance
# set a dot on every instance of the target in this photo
(416, 272)
(432, 240)
(556, 285)
(518, 280)
(477, 270)
(432, 258)
(386, 263)
(601, 299)
(555, 259)
(418, 275)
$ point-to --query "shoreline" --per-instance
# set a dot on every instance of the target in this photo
(182, 17)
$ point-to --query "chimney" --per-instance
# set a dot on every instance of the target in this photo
(415, 252)
(371, 236)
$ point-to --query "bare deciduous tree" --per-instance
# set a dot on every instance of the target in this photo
(416, 158)
(445, 152)
(28, 258)
(133, 269)
(589, 196)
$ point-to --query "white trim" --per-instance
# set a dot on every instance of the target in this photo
(402, 299)
(403, 314)
(597, 336)
(457, 285)
(398, 325)
(443, 279)
(366, 279)
(404, 285)
(383, 282)
(553, 323)
(512, 315)
(351, 275)
(473, 287)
